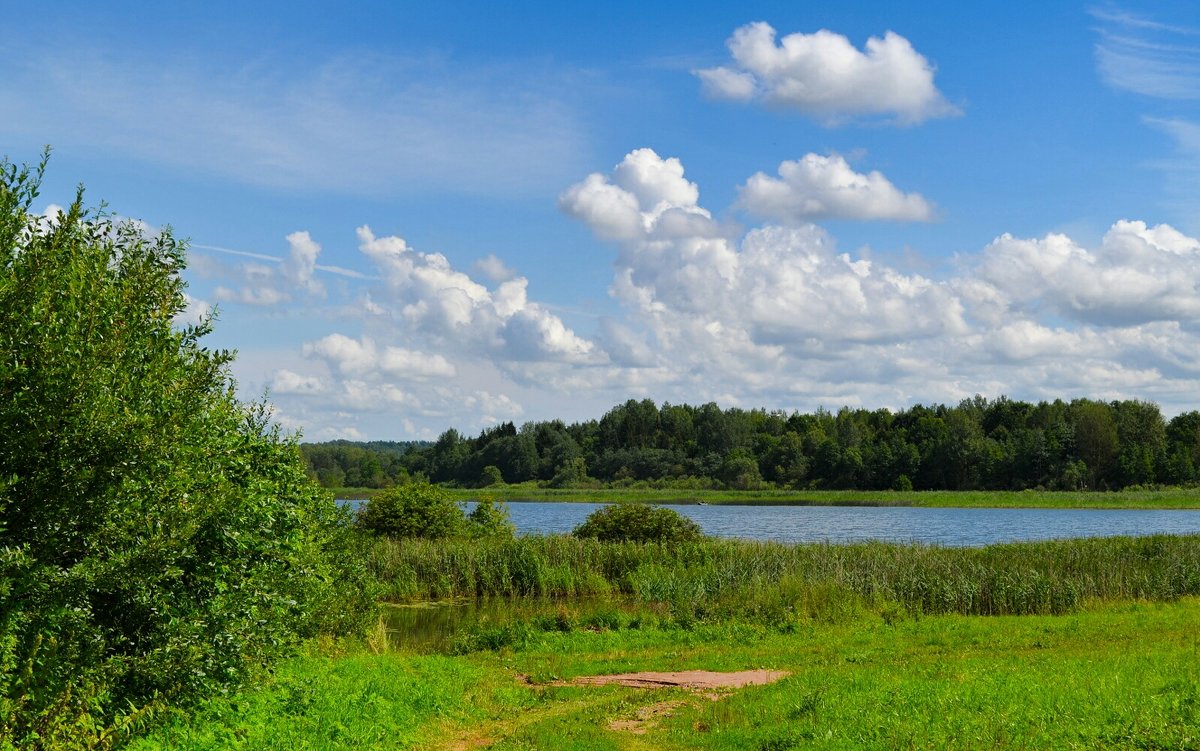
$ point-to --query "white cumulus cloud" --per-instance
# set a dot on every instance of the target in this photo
(775, 315)
(779, 315)
(290, 382)
(362, 357)
(1138, 274)
(820, 187)
(826, 77)
(301, 263)
(425, 295)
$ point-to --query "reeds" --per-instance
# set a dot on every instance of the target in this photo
(775, 579)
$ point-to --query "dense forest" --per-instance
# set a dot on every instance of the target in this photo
(359, 464)
(980, 444)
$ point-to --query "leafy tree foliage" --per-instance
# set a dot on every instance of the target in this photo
(490, 476)
(638, 522)
(998, 444)
(346, 464)
(159, 540)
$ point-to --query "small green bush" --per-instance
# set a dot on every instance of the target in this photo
(490, 518)
(638, 522)
(416, 510)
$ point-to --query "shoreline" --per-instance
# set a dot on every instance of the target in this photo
(1161, 499)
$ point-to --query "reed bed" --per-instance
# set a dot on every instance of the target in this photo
(778, 581)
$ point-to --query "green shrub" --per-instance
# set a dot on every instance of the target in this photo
(159, 540)
(638, 522)
(490, 477)
(415, 510)
(490, 518)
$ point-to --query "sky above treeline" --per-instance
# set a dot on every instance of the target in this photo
(412, 216)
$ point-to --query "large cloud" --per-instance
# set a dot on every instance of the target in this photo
(824, 76)
(780, 316)
(435, 345)
(821, 187)
(1138, 274)
(778, 285)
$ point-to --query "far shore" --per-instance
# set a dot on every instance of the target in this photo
(1165, 498)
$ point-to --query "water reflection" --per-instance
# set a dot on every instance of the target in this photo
(432, 626)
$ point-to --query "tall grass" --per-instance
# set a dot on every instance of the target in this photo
(725, 575)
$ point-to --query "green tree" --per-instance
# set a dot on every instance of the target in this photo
(1142, 437)
(739, 471)
(1095, 439)
(490, 476)
(159, 539)
(570, 473)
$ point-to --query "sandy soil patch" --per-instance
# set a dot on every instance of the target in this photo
(696, 680)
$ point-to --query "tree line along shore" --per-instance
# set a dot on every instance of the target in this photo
(978, 445)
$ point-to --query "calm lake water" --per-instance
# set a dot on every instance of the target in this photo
(942, 526)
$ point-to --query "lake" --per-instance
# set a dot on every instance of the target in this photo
(941, 526)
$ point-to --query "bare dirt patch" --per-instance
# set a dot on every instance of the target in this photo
(695, 680)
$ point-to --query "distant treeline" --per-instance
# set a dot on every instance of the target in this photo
(999, 444)
(359, 464)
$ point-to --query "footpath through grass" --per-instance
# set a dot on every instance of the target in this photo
(1165, 498)
(1114, 675)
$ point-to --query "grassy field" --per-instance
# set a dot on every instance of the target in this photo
(1066, 644)
(1167, 498)
(1122, 675)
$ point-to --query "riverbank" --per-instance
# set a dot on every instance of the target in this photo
(1076, 643)
(1166, 498)
(1116, 675)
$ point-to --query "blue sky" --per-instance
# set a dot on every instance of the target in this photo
(417, 216)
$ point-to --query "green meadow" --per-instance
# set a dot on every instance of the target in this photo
(1066, 644)
(1111, 675)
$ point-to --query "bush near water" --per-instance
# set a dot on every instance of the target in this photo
(638, 522)
(421, 510)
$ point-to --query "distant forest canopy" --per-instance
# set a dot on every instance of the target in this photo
(999, 444)
(359, 464)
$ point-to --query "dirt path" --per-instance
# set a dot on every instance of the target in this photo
(708, 684)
